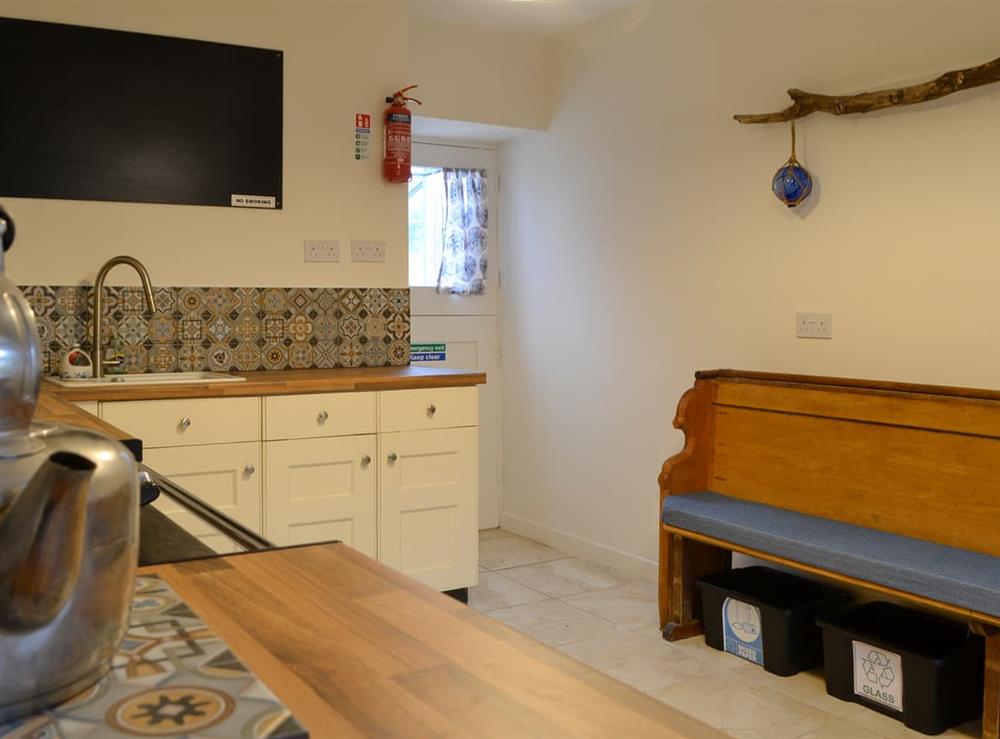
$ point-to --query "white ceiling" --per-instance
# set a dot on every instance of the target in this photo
(536, 17)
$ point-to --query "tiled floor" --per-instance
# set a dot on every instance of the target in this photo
(608, 620)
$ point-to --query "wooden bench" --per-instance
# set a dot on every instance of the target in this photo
(786, 467)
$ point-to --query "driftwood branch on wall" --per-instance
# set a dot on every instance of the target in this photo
(806, 103)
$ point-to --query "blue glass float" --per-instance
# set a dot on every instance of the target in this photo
(792, 183)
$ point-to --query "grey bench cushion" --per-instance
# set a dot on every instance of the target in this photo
(948, 574)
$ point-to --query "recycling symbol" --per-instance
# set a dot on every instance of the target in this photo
(878, 669)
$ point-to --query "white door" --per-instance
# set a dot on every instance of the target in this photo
(427, 508)
(321, 489)
(458, 331)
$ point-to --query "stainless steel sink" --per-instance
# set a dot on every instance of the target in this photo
(151, 378)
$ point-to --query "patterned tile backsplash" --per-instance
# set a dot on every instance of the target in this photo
(230, 329)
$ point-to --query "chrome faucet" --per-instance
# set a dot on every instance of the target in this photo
(99, 303)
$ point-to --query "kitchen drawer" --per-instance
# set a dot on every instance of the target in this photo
(433, 408)
(188, 422)
(320, 414)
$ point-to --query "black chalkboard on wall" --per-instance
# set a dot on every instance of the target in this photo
(95, 114)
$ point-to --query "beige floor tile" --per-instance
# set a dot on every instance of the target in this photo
(514, 551)
(553, 622)
(741, 709)
(636, 660)
(632, 606)
(563, 577)
(490, 534)
(890, 728)
(716, 658)
(810, 687)
(496, 591)
(614, 629)
(842, 729)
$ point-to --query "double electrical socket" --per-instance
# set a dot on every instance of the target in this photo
(367, 251)
(318, 250)
(814, 325)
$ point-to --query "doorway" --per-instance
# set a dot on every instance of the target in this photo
(458, 331)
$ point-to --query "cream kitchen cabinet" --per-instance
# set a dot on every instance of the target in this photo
(392, 473)
(90, 406)
(428, 484)
(321, 478)
(208, 446)
(226, 476)
(427, 520)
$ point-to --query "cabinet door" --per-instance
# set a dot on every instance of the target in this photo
(226, 476)
(321, 489)
(427, 505)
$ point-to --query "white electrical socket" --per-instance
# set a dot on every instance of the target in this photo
(315, 250)
(814, 325)
(367, 251)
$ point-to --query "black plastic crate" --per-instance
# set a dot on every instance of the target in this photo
(922, 670)
(767, 616)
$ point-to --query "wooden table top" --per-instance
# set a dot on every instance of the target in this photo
(285, 382)
(356, 649)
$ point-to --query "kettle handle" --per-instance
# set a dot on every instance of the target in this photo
(6, 229)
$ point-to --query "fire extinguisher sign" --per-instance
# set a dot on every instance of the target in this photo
(362, 135)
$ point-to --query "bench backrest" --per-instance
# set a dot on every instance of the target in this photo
(922, 461)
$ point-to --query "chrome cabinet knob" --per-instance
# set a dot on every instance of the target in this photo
(431, 409)
(184, 424)
(249, 469)
(392, 457)
(366, 460)
(323, 415)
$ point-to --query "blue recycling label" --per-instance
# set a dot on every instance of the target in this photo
(741, 631)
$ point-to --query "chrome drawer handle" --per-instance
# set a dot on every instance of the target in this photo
(249, 469)
(431, 409)
(366, 460)
(392, 457)
(185, 424)
(323, 415)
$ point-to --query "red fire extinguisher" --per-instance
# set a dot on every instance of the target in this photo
(397, 155)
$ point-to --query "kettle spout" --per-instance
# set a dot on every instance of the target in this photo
(41, 542)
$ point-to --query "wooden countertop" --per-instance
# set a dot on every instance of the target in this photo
(285, 382)
(356, 649)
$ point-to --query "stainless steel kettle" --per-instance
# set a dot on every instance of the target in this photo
(69, 523)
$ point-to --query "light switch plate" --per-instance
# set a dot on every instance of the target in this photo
(316, 250)
(367, 251)
(814, 325)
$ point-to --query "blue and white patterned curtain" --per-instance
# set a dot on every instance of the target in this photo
(463, 261)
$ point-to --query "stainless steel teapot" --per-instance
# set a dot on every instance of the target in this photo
(69, 524)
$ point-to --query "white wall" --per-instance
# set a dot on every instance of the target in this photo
(340, 58)
(478, 75)
(641, 240)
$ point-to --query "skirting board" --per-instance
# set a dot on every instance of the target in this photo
(630, 564)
